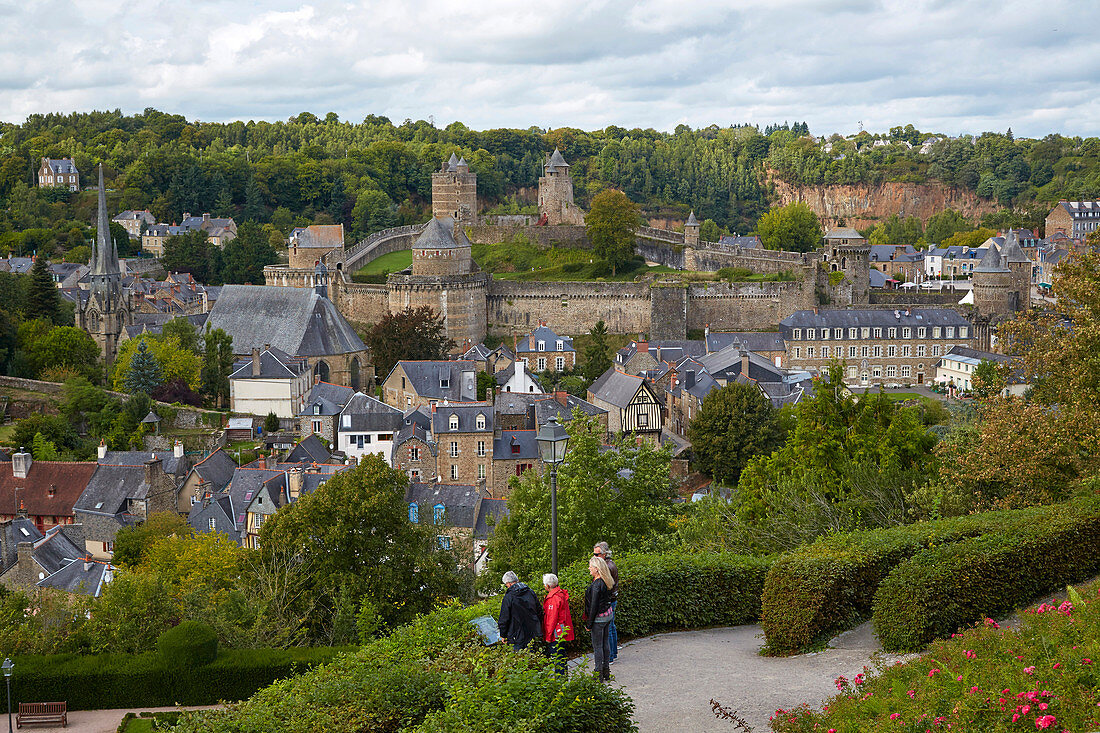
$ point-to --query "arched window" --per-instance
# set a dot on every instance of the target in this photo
(480, 421)
(437, 513)
(353, 367)
(453, 425)
(322, 371)
(414, 512)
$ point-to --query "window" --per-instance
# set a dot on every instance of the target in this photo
(853, 333)
(454, 472)
(851, 353)
(798, 352)
(864, 351)
(402, 383)
(921, 332)
(891, 350)
(316, 409)
(454, 449)
(865, 332)
(906, 333)
(481, 449)
(481, 471)
(542, 346)
(515, 449)
(444, 541)
(437, 513)
(643, 419)
(838, 351)
(414, 453)
(385, 436)
(414, 513)
(824, 334)
(811, 334)
(852, 372)
(891, 371)
(542, 363)
(892, 333)
(408, 401)
(561, 345)
(453, 423)
(559, 363)
(905, 370)
(445, 382)
(521, 467)
(878, 333)
(920, 350)
(809, 352)
(480, 421)
(949, 332)
(346, 421)
(935, 332)
(876, 372)
(877, 351)
(935, 349)
(838, 333)
(212, 524)
(963, 332)
(796, 334)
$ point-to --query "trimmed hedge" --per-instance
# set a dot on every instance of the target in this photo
(828, 586)
(669, 592)
(101, 681)
(190, 644)
(938, 591)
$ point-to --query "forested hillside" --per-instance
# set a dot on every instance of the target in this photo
(373, 174)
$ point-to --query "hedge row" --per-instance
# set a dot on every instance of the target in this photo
(829, 586)
(940, 590)
(666, 592)
(101, 681)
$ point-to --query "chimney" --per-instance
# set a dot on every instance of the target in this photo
(21, 512)
(294, 482)
(744, 362)
(205, 218)
(255, 362)
(154, 467)
(21, 463)
(562, 398)
(270, 460)
(87, 563)
(25, 556)
(177, 449)
(101, 451)
(186, 215)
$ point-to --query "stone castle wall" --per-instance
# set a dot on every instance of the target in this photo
(361, 303)
(568, 307)
(544, 237)
(922, 298)
(460, 299)
(746, 306)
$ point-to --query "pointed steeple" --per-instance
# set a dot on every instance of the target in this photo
(105, 259)
(452, 164)
(1012, 251)
(991, 261)
(557, 161)
(692, 221)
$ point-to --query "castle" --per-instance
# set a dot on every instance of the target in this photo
(445, 277)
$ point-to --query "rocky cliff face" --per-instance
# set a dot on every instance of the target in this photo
(864, 206)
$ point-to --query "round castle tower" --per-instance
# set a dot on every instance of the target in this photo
(993, 285)
(454, 192)
(556, 193)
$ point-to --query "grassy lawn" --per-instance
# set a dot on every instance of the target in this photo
(158, 721)
(6, 432)
(384, 265)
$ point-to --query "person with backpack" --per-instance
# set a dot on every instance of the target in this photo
(520, 619)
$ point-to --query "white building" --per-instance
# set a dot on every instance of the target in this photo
(271, 381)
(958, 365)
(367, 425)
(518, 379)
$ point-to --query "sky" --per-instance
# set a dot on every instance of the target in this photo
(955, 67)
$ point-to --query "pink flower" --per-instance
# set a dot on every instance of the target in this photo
(1066, 608)
(973, 690)
(1015, 717)
(1042, 706)
(933, 672)
(1029, 670)
(1086, 660)
(1045, 721)
(911, 694)
(895, 716)
(959, 678)
(1057, 665)
(1025, 710)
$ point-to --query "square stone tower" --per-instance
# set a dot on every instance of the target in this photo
(454, 192)
(556, 193)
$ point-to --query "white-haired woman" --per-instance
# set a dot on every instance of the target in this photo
(557, 623)
(598, 613)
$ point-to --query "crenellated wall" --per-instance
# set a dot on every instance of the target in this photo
(361, 303)
(545, 237)
(746, 306)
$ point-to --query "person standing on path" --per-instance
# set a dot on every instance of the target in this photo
(557, 623)
(603, 551)
(598, 613)
(520, 619)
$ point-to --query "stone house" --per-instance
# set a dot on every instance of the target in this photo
(464, 436)
(556, 204)
(875, 346)
(452, 510)
(639, 356)
(415, 453)
(270, 381)
(633, 405)
(309, 245)
(426, 383)
(56, 559)
(366, 426)
(152, 238)
(134, 222)
(209, 476)
(890, 259)
(543, 350)
(489, 360)
(58, 172)
(317, 415)
(44, 490)
(514, 453)
(1075, 219)
(218, 230)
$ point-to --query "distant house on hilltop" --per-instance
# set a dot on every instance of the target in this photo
(58, 172)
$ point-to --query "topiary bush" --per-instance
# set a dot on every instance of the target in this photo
(191, 644)
(934, 593)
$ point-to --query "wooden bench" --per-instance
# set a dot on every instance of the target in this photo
(42, 713)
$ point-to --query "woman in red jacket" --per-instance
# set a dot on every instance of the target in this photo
(557, 624)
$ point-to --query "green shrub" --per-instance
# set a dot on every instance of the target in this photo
(661, 592)
(938, 591)
(191, 644)
(829, 585)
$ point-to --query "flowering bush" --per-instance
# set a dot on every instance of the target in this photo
(985, 679)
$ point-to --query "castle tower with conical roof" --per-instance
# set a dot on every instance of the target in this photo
(691, 230)
(1020, 267)
(556, 193)
(106, 311)
(993, 287)
(454, 192)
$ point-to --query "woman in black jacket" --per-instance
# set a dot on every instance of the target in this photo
(598, 613)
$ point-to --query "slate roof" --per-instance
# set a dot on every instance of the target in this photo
(66, 479)
(370, 414)
(1012, 252)
(529, 343)
(331, 397)
(131, 215)
(110, 489)
(73, 578)
(547, 406)
(665, 350)
(992, 262)
(856, 317)
(169, 462)
(410, 432)
(751, 340)
(274, 364)
(459, 502)
(726, 364)
(556, 160)
(320, 236)
(843, 233)
(975, 356)
(477, 352)
(691, 221)
(297, 321)
(18, 530)
(17, 265)
(425, 378)
(876, 279)
(452, 164)
(309, 450)
(421, 416)
(525, 440)
(61, 165)
(217, 469)
(467, 418)
(1078, 209)
(492, 510)
(615, 387)
(503, 375)
(440, 233)
(54, 551)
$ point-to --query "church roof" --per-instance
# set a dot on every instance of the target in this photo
(440, 234)
(295, 320)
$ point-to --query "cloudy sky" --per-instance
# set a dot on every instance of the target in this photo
(952, 66)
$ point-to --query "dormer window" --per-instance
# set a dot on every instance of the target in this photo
(317, 409)
(453, 424)
(561, 345)
(347, 421)
(414, 513)
(515, 449)
(437, 513)
(480, 421)
(542, 346)
(444, 382)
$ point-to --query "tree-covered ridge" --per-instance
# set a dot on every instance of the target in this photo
(376, 173)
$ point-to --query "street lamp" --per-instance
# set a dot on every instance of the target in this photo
(553, 439)
(8, 667)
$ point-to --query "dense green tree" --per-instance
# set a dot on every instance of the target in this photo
(373, 211)
(43, 300)
(43, 449)
(896, 230)
(132, 543)
(735, 424)
(189, 252)
(946, 224)
(184, 332)
(217, 362)
(59, 348)
(610, 223)
(144, 373)
(173, 362)
(597, 353)
(411, 334)
(987, 379)
(271, 423)
(485, 382)
(243, 258)
(971, 239)
(354, 535)
(709, 231)
(793, 227)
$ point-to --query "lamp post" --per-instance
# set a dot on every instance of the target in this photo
(8, 667)
(553, 439)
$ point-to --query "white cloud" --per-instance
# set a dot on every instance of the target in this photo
(945, 65)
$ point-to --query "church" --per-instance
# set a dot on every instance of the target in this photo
(104, 309)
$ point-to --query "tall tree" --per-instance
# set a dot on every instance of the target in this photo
(414, 333)
(43, 300)
(610, 223)
(189, 252)
(735, 424)
(144, 374)
(597, 353)
(793, 227)
(183, 331)
(217, 362)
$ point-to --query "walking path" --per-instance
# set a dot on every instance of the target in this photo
(104, 721)
(673, 677)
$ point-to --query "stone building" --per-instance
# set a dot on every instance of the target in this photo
(1002, 280)
(847, 251)
(309, 245)
(543, 350)
(42, 491)
(105, 309)
(875, 346)
(1073, 218)
(415, 453)
(514, 453)
(691, 231)
(556, 193)
(454, 192)
(318, 413)
(135, 222)
(464, 436)
(452, 510)
(413, 384)
(58, 172)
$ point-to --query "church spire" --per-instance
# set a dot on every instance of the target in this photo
(105, 260)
